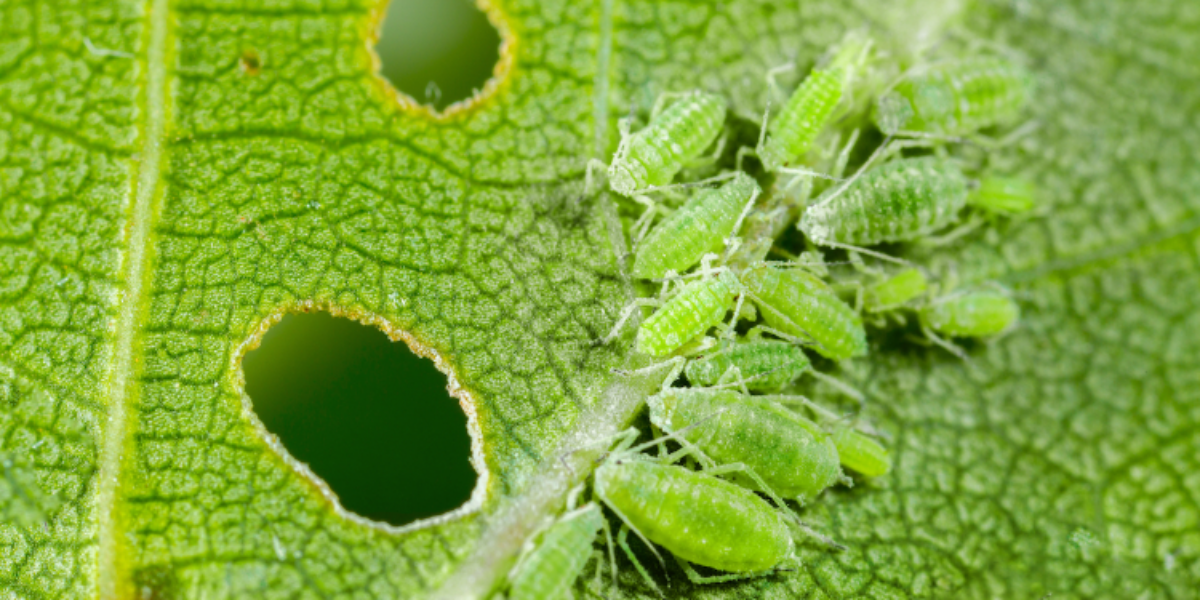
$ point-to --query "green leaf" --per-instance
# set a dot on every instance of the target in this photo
(174, 175)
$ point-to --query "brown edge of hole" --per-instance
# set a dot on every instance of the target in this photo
(466, 401)
(505, 63)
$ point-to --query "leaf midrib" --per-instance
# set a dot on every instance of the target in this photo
(146, 191)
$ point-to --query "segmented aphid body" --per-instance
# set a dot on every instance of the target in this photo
(860, 452)
(982, 313)
(679, 134)
(694, 309)
(551, 568)
(955, 97)
(764, 365)
(1004, 195)
(700, 226)
(699, 518)
(794, 456)
(799, 304)
(896, 291)
(898, 201)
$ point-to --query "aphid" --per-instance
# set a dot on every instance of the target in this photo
(898, 201)
(790, 455)
(810, 108)
(674, 137)
(860, 452)
(701, 519)
(798, 304)
(981, 313)
(895, 291)
(700, 226)
(694, 309)
(762, 365)
(954, 97)
(549, 569)
(1004, 195)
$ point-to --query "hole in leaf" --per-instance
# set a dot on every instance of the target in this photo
(367, 415)
(437, 51)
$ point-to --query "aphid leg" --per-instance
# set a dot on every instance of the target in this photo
(676, 363)
(859, 249)
(625, 314)
(690, 184)
(623, 540)
(758, 481)
(945, 344)
(660, 103)
(798, 400)
(839, 166)
(733, 376)
(841, 386)
(772, 85)
(803, 528)
(711, 158)
(699, 579)
(612, 553)
(732, 242)
(954, 234)
(590, 177)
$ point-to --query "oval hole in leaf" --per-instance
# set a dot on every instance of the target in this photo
(437, 51)
(367, 415)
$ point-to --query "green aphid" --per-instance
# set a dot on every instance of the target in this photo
(699, 518)
(1004, 195)
(763, 365)
(895, 291)
(674, 137)
(693, 310)
(975, 314)
(800, 305)
(550, 569)
(860, 452)
(954, 98)
(702, 225)
(791, 455)
(810, 108)
(898, 201)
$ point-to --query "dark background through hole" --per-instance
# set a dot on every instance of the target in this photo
(370, 417)
(448, 42)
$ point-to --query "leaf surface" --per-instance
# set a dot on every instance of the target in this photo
(174, 175)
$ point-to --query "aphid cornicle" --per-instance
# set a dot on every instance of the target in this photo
(955, 97)
(694, 309)
(895, 291)
(808, 110)
(653, 156)
(1004, 195)
(897, 201)
(981, 313)
(792, 455)
(799, 304)
(763, 365)
(861, 453)
(700, 226)
(551, 568)
(699, 518)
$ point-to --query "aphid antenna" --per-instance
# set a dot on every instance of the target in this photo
(773, 86)
(660, 103)
(699, 579)
(843, 156)
(730, 243)
(825, 413)
(863, 169)
(673, 435)
(975, 222)
(626, 313)
(773, 331)
(707, 182)
(841, 386)
(861, 250)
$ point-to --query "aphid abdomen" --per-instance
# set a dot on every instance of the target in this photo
(654, 155)
(803, 118)
(764, 365)
(955, 97)
(896, 291)
(700, 226)
(793, 455)
(697, 307)
(861, 453)
(973, 314)
(699, 518)
(1004, 194)
(564, 550)
(801, 305)
(897, 201)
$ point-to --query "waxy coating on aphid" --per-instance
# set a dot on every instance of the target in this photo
(897, 201)
(799, 304)
(792, 455)
(861, 453)
(700, 226)
(697, 307)
(983, 313)
(699, 518)
(955, 97)
(653, 156)
(802, 119)
(763, 365)
(896, 291)
(550, 569)
(1004, 195)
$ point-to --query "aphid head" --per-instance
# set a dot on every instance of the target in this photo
(626, 177)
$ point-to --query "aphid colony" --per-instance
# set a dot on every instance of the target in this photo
(740, 447)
